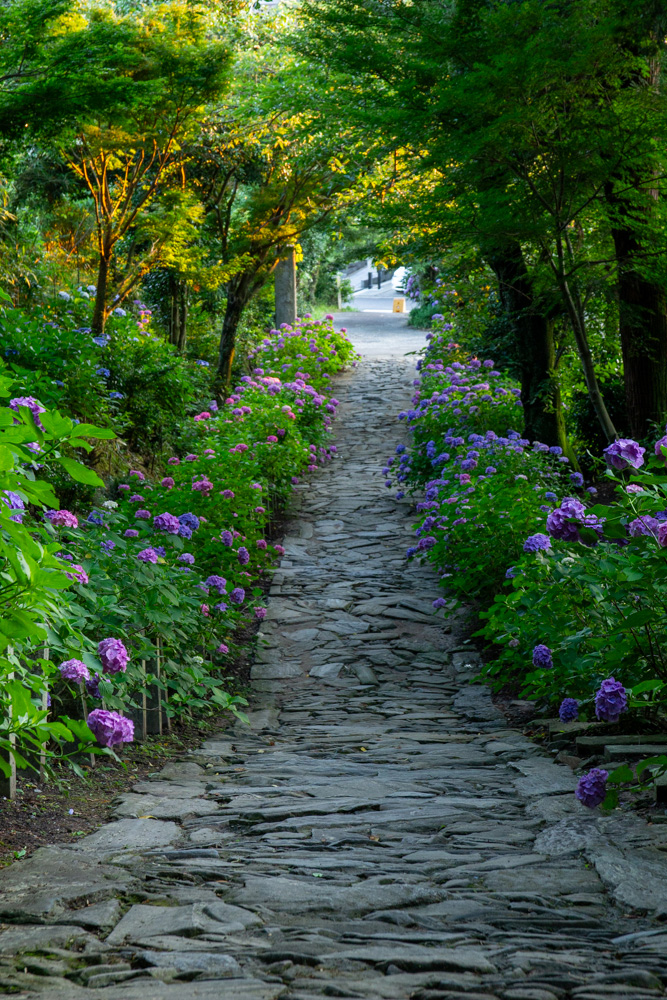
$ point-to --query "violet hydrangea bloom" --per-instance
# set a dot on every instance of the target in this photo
(148, 555)
(32, 404)
(659, 445)
(244, 556)
(237, 595)
(559, 523)
(131, 533)
(542, 657)
(610, 701)
(113, 656)
(186, 557)
(110, 728)
(260, 613)
(218, 582)
(143, 515)
(190, 521)
(569, 710)
(439, 602)
(537, 543)
(592, 787)
(167, 482)
(227, 538)
(15, 503)
(93, 686)
(624, 452)
(643, 526)
(167, 522)
(74, 670)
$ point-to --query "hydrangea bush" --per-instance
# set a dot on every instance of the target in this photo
(169, 567)
(573, 593)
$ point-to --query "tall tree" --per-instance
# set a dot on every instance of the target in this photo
(123, 114)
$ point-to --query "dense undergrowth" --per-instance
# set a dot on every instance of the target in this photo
(572, 593)
(147, 580)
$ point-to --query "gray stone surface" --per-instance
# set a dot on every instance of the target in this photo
(379, 832)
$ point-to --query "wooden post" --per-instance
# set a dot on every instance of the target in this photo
(8, 783)
(285, 288)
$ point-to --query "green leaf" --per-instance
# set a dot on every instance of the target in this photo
(80, 473)
(91, 431)
(622, 775)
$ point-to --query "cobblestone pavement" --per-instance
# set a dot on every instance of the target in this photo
(380, 833)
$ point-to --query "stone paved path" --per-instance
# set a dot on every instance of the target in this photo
(380, 833)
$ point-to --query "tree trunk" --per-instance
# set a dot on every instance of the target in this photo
(99, 311)
(536, 355)
(178, 312)
(642, 314)
(237, 299)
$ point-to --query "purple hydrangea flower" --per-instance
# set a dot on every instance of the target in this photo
(260, 613)
(659, 445)
(143, 515)
(645, 525)
(107, 546)
(33, 405)
(74, 670)
(244, 556)
(569, 710)
(576, 479)
(167, 522)
(610, 700)
(93, 686)
(439, 602)
(542, 657)
(624, 452)
(559, 523)
(186, 557)
(218, 582)
(537, 543)
(95, 518)
(14, 502)
(592, 787)
(185, 532)
(131, 533)
(227, 538)
(189, 520)
(148, 555)
(113, 656)
(237, 595)
(110, 728)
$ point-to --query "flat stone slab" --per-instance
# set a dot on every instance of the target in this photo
(292, 896)
(143, 921)
(219, 966)
(41, 937)
(163, 807)
(130, 835)
(49, 883)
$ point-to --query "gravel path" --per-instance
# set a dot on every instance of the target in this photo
(380, 833)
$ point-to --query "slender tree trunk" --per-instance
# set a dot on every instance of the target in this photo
(642, 314)
(536, 354)
(576, 313)
(99, 311)
(237, 299)
(178, 312)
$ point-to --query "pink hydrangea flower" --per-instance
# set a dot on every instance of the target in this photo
(173, 461)
(167, 482)
(63, 519)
